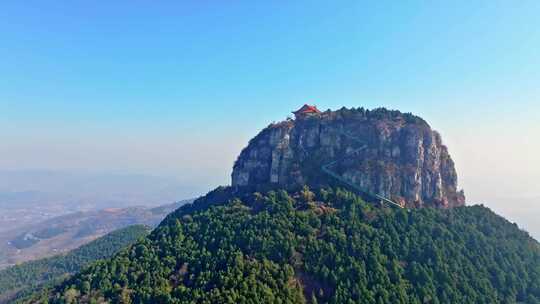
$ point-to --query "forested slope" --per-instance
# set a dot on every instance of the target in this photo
(29, 275)
(323, 247)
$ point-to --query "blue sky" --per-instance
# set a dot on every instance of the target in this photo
(178, 87)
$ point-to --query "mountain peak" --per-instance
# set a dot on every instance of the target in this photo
(382, 153)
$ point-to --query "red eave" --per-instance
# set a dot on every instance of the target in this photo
(307, 109)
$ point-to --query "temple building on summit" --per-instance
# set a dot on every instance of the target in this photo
(306, 111)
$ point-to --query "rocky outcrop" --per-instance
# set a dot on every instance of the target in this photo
(386, 152)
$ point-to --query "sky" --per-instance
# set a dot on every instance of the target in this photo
(177, 88)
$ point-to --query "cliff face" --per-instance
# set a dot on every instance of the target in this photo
(385, 152)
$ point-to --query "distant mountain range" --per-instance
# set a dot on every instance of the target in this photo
(28, 197)
(63, 233)
(100, 189)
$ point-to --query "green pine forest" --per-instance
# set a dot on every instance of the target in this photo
(321, 246)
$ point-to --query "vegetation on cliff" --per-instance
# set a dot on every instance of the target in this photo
(323, 247)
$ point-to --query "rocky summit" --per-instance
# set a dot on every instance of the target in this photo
(383, 152)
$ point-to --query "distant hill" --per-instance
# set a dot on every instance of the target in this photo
(64, 233)
(100, 189)
(28, 197)
(19, 280)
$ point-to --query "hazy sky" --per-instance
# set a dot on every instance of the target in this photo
(178, 87)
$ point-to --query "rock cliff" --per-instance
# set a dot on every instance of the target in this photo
(390, 153)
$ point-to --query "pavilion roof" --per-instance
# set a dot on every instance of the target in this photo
(307, 109)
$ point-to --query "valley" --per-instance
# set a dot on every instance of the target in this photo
(60, 234)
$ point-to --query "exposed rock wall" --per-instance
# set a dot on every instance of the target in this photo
(401, 158)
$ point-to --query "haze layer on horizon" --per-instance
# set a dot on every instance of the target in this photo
(178, 88)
